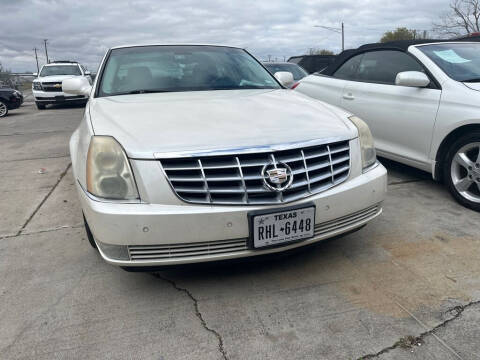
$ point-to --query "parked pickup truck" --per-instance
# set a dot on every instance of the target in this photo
(421, 101)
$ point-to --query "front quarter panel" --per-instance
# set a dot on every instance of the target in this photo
(459, 106)
(79, 143)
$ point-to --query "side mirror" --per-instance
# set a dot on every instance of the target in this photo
(76, 86)
(285, 78)
(35, 74)
(412, 79)
(87, 72)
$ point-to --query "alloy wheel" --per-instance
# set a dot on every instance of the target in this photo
(3, 109)
(465, 171)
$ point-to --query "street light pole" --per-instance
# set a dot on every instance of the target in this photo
(340, 30)
(46, 52)
(36, 58)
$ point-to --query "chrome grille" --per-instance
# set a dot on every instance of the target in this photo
(237, 179)
(50, 86)
(208, 248)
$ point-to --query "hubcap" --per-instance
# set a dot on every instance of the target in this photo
(3, 109)
(465, 171)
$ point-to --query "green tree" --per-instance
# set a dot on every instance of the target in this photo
(401, 33)
(313, 51)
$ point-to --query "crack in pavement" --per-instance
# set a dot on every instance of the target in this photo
(36, 133)
(197, 313)
(37, 158)
(62, 175)
(458, 310)
(63, 227)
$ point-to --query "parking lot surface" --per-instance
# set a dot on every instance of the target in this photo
(407, 286)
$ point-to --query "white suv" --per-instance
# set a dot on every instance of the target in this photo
(422, 102)
(47, 87)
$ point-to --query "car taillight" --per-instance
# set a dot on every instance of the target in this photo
(295, 85)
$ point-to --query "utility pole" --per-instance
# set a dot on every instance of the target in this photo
(46, 52)
(340, 30)
(269, 57)
(36, 58)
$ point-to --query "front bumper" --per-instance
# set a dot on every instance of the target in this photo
(142, 234)
(15, 102)
(49, 97)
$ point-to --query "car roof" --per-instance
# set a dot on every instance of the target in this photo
(401, 45)
(144, 45)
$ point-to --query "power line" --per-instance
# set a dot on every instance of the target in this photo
(340, 30)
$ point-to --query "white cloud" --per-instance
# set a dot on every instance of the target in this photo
(84, 30)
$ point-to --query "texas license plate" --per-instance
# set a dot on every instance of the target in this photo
(281, 227)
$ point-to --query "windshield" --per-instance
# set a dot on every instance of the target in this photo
(60, 70)
(181, 68)
(297, 72)
(459, 61)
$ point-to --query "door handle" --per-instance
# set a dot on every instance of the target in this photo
(348, 96)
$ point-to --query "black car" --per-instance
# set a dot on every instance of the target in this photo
(9, 99)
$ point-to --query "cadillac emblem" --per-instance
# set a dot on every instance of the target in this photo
(277, 176)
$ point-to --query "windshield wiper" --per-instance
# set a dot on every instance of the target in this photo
(472, 80)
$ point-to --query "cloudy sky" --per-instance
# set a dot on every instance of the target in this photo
(84, 29)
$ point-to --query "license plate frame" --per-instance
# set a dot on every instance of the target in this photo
(276, 211)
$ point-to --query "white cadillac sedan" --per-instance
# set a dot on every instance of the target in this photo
(197, 153)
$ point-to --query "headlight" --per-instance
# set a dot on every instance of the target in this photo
(36, 85)
(109, 174)
(369, 155)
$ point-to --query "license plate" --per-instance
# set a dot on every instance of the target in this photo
(281, 227)
(59, 98)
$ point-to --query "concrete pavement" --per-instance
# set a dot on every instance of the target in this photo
(404, 287)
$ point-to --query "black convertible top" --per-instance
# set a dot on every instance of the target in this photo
(401, 45)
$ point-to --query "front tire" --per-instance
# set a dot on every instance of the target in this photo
(462, 170)
(40, 106)
(3, 109)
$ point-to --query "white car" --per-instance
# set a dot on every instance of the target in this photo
(47, 87)
(421, 102)
(197, 153)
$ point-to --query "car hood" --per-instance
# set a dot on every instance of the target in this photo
(55, 78)
(472, 85)
(6, 89)
(148, 124)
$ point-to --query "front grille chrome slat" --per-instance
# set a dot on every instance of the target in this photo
(238, 179)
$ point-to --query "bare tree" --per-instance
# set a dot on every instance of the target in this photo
(5, 78)
(463, 18)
